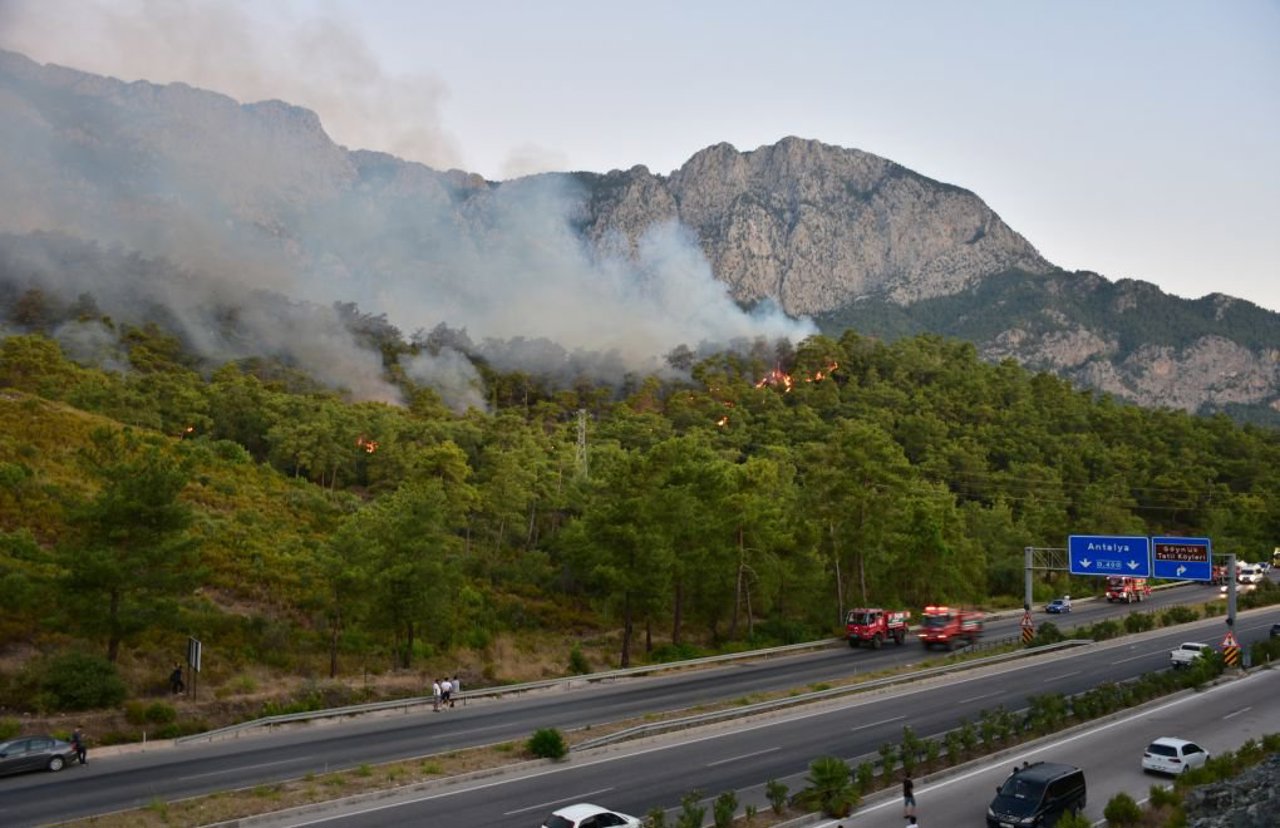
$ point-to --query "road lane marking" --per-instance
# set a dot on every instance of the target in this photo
(743, 756)
(1064, 675)
(575, 798)
(238, 769)
(975, 698)
(877, 724)
(1238, 712)
(1133, 658)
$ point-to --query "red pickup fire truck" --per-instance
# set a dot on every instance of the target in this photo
(950, 627)
(875, 626)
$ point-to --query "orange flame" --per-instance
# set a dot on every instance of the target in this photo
(370, 446)
(723, 421)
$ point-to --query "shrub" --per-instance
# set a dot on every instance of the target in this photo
(1070, 820)
(830, 787)
(1178, 615)
(866, 777)
(547, 743)
(578, 664)
(160, 713)
(1136, 622)
(691, 813)
(888, 758)
(1122, 810)
(656, 818)
(723, 809)
(79, 681)
(776, 793)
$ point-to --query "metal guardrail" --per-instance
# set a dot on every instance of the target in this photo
(501, 690)
(653, 728)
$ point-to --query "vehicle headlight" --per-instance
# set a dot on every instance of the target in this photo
(990, 812)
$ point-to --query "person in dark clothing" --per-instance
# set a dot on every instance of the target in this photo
(77, 742)
(176, 683)
(908, 796)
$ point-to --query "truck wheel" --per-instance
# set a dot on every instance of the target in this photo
(853, 642)
(876, 641)
(897, 638)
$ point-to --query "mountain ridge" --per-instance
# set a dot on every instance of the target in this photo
(259, 190)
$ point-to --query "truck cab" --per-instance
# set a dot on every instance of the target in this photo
(875, 626)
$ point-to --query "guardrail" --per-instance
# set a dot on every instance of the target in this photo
(654, 728)
(498, 691)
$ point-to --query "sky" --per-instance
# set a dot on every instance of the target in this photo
(1138, 139)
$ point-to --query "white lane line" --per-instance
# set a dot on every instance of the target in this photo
(238, 769)
(1238, 712)
(975, 698)
(1064, 675)
(1132, 658)
(575, 798)
(743, 756)
(877, 724)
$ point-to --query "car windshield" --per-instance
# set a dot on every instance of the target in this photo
(1158, 749)
(554, 821)
(862, 618)
(936, 620)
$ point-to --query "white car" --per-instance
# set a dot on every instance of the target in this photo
(1187, 652)
(1249, 575)
(1173, 756)
(586, 815)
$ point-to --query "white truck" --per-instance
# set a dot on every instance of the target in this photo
(1187, 652)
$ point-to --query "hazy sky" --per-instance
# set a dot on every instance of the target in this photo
(1139, 139)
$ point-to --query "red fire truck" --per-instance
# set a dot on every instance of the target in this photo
(1128, 590)
(875, 626)
(950, 627)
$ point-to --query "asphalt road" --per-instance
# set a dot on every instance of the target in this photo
(116, 782)
(742, 756)
(1220, 719)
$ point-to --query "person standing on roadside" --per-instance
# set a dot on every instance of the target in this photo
(78, 742)
(457, 688)
(446, 691)
(435, 696)
(908, 796)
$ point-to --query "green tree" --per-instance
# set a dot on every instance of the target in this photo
(130, 557)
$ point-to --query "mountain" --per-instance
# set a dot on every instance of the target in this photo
(255, 197)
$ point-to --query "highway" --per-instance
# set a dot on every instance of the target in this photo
(742, 756)
(131, 780)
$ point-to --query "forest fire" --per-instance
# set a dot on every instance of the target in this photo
(370, 446)
(778, 377)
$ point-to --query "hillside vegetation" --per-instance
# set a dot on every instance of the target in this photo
(294, 531)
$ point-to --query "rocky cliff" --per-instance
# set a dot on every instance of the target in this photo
(844, 236)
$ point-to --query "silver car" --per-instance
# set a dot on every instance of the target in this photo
(27, 753)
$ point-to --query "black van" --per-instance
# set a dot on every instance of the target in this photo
(1037, 796)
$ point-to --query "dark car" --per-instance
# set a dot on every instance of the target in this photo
(1275, 630)
(27, 753)
(1058, 605)
(1037, 794)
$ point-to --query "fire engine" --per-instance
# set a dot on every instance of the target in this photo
(1127, 589)
(875, 626)
(950, 627)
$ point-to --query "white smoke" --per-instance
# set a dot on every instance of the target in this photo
(251, 198)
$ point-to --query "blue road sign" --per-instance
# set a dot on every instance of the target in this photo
(1184, 559)
(1108, 555)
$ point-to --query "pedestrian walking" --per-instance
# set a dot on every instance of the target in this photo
(911, 822)
(435, 695)
(457, 688)
(176, 684)
(78, 742)
(908, 796)
(446, 691)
